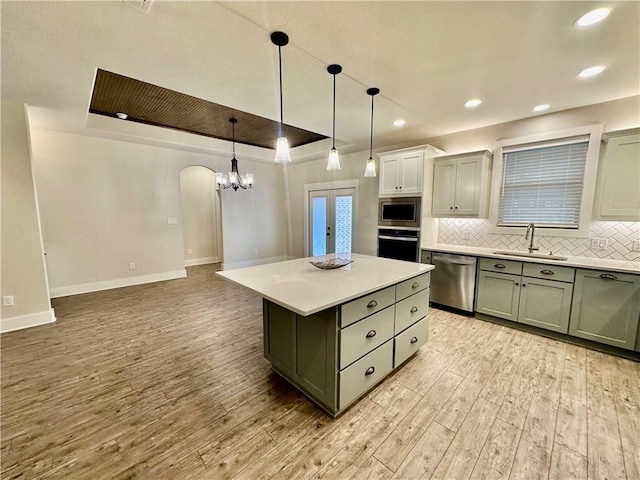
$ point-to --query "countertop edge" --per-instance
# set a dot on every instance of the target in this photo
(573, 262)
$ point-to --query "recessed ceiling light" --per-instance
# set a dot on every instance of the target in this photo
(398, 123)
(473, 103)
(591, 71)
(541, 107)
(122, 116)
(594, 16)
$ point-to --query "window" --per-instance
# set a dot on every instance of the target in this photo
(548, 179)
(543, 185)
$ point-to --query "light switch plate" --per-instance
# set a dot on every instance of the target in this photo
(7, 301)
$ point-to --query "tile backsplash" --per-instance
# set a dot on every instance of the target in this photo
(475, 232)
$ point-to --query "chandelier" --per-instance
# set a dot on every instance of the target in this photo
(233, 179)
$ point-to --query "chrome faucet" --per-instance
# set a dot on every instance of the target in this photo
(531, 227)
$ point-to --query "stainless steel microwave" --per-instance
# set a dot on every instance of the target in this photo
(399, 212)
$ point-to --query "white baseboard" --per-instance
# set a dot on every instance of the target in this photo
(115, 283)
(26, 321)
(251, 263)
(192, 262)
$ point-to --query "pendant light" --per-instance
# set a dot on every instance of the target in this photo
(370, 169)
(280, 39)
(333, 164)
(233, 179)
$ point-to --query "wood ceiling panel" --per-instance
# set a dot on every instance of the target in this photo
(153, 105)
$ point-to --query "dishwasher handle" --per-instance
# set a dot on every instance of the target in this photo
(454, 261)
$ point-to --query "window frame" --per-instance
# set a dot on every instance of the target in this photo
(594, 134)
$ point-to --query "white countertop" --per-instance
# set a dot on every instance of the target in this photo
(304, 289)
(580, 262)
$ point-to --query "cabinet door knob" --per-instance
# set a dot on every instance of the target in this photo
(414, 339)
(547, 272)
(455, 208)
(414, 309)
(608, 276)
(372, 304)
(415, 285)
(517, 284)
(370, 370)
(524, 284)
(371, 333)
(450, 208)
(500, 266)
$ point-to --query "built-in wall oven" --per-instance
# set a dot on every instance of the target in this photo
(401, 244)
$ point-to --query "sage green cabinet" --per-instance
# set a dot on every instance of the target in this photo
(525, 299)
(606, 307)
(545, 304)
(498, 295)
(338, 354)
(620, 171)
(425, 257)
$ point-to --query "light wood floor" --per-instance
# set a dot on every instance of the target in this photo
(168, 381)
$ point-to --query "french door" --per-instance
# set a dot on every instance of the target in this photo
(331, 221)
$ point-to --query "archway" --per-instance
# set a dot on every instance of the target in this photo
(201, 214)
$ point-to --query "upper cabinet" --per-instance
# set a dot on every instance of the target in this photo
(620, 174)
(401, 172)
(461, 185)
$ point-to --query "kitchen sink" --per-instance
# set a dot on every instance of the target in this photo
(543, 256)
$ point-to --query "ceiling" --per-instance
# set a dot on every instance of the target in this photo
(426, 57)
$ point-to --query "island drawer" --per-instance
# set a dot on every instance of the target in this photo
(361, 337)
(413, 285)
(364, 306)
(409, 341)
(501, 266)
(411, 309)
(548, 272)
(365, 373)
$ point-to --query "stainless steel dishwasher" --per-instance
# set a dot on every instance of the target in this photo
(453, 282)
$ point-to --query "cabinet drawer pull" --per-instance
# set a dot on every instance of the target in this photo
(608, 276)
(547, 272)
(415, 285)
(414, 309)
(500, 266)
(372, 304)
(370, 370)
(371, 333)
(414, 339)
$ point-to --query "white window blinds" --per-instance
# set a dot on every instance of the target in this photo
(543, 185)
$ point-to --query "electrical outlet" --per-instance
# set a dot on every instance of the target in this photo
(7, 301)
(189, 251)
(465, 235)
(604, 243)
(595, 242)
(172, 221)
(132, 266)
(255, 251)
(636, 245)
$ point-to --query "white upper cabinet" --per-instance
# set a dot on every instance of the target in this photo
(620, 177)
(401, 172)
(461, 185)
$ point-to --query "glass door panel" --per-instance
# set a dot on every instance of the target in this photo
(331, 221)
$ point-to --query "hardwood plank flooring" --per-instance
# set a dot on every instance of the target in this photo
(167, 380)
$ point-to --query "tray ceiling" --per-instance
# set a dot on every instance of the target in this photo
(154, 105)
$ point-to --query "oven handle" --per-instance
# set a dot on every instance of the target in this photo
(402, 239)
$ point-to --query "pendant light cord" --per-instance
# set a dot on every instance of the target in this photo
(334, 112)
(281, 103)
(371, 135)
(233, 136)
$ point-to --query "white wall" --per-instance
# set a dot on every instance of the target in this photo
(23, 270)
(200, 216)
(366, 221)
(105, 203)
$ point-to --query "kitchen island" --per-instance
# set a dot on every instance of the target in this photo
(335, 334)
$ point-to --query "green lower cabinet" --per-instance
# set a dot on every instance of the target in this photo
(534, 301)
(498, 295)
(606, 308)
(545, 304)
